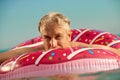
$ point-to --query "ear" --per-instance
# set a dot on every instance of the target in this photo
(69, 36)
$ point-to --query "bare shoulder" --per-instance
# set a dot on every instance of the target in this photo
(73, 44)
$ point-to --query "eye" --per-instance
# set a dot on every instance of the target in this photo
(58, 37)
(46, 37)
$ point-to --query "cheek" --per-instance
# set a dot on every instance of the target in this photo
(61, 42)
(46, 43)
(64, 40)
(68, 38)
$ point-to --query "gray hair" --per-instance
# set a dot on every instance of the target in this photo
(53, 17)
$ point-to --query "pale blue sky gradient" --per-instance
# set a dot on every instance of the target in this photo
(19, 18)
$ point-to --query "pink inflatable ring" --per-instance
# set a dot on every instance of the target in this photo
(75, 60)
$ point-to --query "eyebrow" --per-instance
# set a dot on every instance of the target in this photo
(59, 34)
(45, 36)
(55, 34)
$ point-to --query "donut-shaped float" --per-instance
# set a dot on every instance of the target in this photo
(74, 60)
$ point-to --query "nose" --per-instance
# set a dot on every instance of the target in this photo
(53, 43)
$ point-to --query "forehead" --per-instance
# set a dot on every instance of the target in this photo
(53, 29)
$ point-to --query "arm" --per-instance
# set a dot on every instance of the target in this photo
(105, 47)
(12, 53)
(96, 46)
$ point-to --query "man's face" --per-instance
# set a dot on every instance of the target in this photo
(55, 36)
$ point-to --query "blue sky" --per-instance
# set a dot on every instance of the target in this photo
(19, 18)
